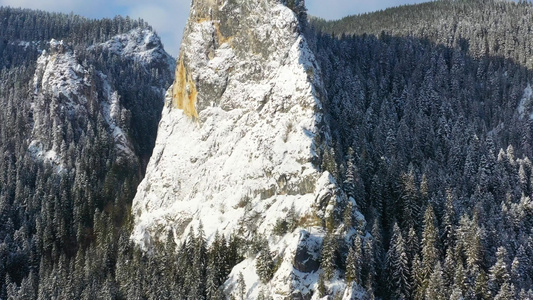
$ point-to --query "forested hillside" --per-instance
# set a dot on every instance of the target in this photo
(427, 131)
(81, 100)
(432, 109)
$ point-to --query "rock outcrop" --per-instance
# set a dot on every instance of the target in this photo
(241, 139)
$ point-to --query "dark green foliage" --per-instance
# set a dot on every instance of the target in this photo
(435, 287)
(425, 105)
(329, 255)
(429, 251)
(397, 266)
(499, 272)
(241, 287)
(60, 226)
(354, 262)
(265, 265)
(171, 272)
(322, 289)
(348, 217)
(281, 227)
(287, 224)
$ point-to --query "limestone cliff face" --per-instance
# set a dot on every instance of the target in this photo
(240, 140)
(228, 43)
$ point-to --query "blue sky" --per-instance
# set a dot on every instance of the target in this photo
(168, 17)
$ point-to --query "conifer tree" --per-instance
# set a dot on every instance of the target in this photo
(321, 285)
(328, 256)
(417, 280)
(506, 292)
(436, 289)
(410, 201)
(212, 284)
(354, 262)
(348, 216)
(430, 255)
(429, 251)
(241, 287)
(370, 274)
(397, 266)
(412, 244)
(481, 286)
(448, 222)
(265, 264)
(351, 271)
(499, 273)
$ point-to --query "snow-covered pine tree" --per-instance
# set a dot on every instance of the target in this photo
(397, 266)
(354, 262)
(241, 287)
(328, 255)
(436, 288)
(499, 272)
(430, 254)
(265, 264)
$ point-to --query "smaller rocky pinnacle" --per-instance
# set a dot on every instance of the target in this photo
(58, 47)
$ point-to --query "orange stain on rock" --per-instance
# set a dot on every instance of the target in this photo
(184, 93)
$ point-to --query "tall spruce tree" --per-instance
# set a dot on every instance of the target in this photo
(397, 266)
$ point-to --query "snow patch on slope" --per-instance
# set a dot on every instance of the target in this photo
(26, 44)
(38, 152)
(526, 103)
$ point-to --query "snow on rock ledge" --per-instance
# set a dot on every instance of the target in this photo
(59, 73)
(141, 45)
(236, 146)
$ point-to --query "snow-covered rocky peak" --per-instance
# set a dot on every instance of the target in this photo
(234, 49)
(239, 141)
(142, 45)
(58, 46)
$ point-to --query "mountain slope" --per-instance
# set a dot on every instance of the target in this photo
(82, 101)
(427, 104)
(390, 160)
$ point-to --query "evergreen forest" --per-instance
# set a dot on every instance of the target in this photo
(431, 110)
